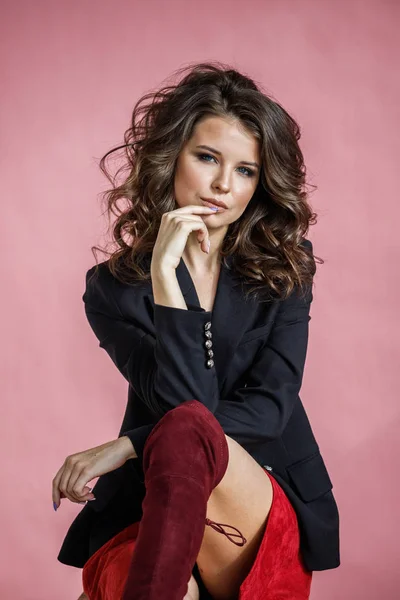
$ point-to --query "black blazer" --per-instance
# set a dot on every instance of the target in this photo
(251, 385)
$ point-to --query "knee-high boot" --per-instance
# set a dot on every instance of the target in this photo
(185, 457)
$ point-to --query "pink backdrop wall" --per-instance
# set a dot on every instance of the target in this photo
(70, 74)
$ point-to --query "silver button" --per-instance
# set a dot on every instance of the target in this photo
(208, 334)
(207, 325)
(210, 363)
(208, 344)
(210, 353)
(267, 467)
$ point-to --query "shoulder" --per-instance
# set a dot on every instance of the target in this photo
(98, 277)
(99, 282)
(106, 294)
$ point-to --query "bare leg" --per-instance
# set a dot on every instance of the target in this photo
(243, 498)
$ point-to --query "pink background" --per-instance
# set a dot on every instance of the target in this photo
(70, 75)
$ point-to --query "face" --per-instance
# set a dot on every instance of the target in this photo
(214, 163)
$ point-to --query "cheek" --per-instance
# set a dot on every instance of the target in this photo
(243, 197)
(189, 177)
(185, 184)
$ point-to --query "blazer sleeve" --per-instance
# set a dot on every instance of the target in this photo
(164, 370)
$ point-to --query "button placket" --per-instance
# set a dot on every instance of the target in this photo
(208, 344)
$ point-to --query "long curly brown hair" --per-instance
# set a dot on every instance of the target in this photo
(266, 244)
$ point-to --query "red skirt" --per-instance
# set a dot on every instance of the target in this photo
(277, 573)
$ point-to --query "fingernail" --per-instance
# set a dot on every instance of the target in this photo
(55, 506)
(90, 499)
(214, 207)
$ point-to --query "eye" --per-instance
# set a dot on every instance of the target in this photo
(201, 156)
(248, 172)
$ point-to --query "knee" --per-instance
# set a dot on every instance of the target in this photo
(190, 420)
(189, 417)
(185, 435)
(191, 407)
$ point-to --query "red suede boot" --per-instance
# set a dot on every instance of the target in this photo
(184, 459)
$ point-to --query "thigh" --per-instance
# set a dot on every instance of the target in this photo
(242, 499)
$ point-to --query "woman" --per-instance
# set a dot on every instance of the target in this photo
(205, 313)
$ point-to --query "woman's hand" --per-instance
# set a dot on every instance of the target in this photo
(80, 468)
(175, 227)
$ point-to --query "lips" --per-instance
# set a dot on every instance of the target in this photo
(214, 202)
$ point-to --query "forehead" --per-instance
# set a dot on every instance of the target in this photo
(226, 136)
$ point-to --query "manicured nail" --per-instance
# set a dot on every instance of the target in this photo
(55, 506)
(214, 207)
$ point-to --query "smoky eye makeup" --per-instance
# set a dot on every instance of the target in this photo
(203, 156)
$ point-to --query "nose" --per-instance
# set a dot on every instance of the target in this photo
(221, 183)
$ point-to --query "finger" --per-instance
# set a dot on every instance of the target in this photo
(87, 497)
(196, 226)
(177, 216)
(186, 217)
(78, 474)
(63, 485)
(71, 472)
(55, 486)
(78, 484)
(71, 486)
(201, 233)
(81, 489)
(197, 208)
(58, 493)
(206, 245)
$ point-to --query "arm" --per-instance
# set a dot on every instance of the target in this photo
(164, 370)
(260, 411)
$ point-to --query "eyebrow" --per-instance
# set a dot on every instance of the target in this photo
(244, 162)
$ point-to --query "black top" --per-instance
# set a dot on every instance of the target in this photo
(250, 381)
